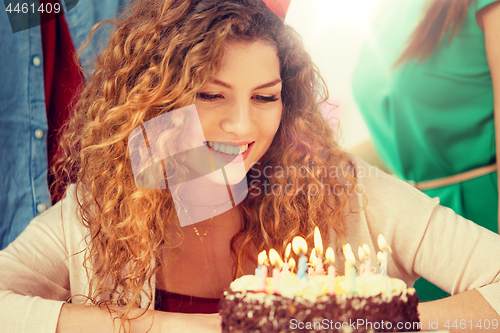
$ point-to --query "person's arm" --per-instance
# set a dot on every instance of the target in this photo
(460, 257)
(465, 312)
(34, 278)
(92, 319)
(470, 309)
(432, 241)
(488, 18)
(38, 273)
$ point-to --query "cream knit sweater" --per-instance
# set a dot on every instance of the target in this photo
(43, 267)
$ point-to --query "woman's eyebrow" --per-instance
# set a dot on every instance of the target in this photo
(220, 83)
(269, 84)
(265, 85)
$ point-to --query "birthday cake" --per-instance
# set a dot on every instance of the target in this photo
(376, 304)
(287, 302)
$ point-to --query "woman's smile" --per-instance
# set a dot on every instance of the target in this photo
(228, 147)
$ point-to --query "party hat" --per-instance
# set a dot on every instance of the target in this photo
(279, 7)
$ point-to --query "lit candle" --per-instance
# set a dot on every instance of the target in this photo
(380, 257)
(350, 270)
(361, 255)
(299, 246)
(292, 264)
(318, 246)
(262, 270)
(276, 261)
(312, 262)
(368, 261)
(330, 259)
(386, 249)
(286, 266)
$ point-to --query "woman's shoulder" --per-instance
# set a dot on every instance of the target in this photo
(376, 183)
(385, 202)
(482, 3)
(385, 205)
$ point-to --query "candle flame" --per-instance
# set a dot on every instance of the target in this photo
(382, 244)
(313, 258)
(262, 258)
(361, 253)
(299, 245)
(349, 256)
(275, 258)
(291, 264)
(366, 249)
(330, 255)
(318, 242)
(379, 256)
(287, 251)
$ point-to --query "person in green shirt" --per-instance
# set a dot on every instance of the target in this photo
(427, 87)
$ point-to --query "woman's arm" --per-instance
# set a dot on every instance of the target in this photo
(469, 311)
(461, 258)
(464, 312)
(82, 319)
(488, 19)
(433, 242)
(37, 274)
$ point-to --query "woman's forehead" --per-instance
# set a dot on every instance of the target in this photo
(256, 61)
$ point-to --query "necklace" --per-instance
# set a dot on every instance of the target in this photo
(202, 239)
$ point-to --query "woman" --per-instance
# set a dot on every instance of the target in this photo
(426, 93)
(255, 87)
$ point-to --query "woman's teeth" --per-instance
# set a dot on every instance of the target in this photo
(231, 150)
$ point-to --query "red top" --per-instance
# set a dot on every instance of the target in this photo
(170, 302)
(62, 76)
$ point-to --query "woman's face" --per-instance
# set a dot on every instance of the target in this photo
(242, 106)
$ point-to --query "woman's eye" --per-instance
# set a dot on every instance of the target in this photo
(266, 99)
(209, 97)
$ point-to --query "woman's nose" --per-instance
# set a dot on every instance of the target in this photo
(238, 119)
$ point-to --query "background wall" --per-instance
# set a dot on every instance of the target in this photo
(333, 32)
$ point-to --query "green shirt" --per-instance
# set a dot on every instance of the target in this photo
(432, 119)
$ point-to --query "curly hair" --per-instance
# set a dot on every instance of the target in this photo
(159, 56)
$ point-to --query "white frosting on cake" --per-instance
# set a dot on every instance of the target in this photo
(312, 287)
